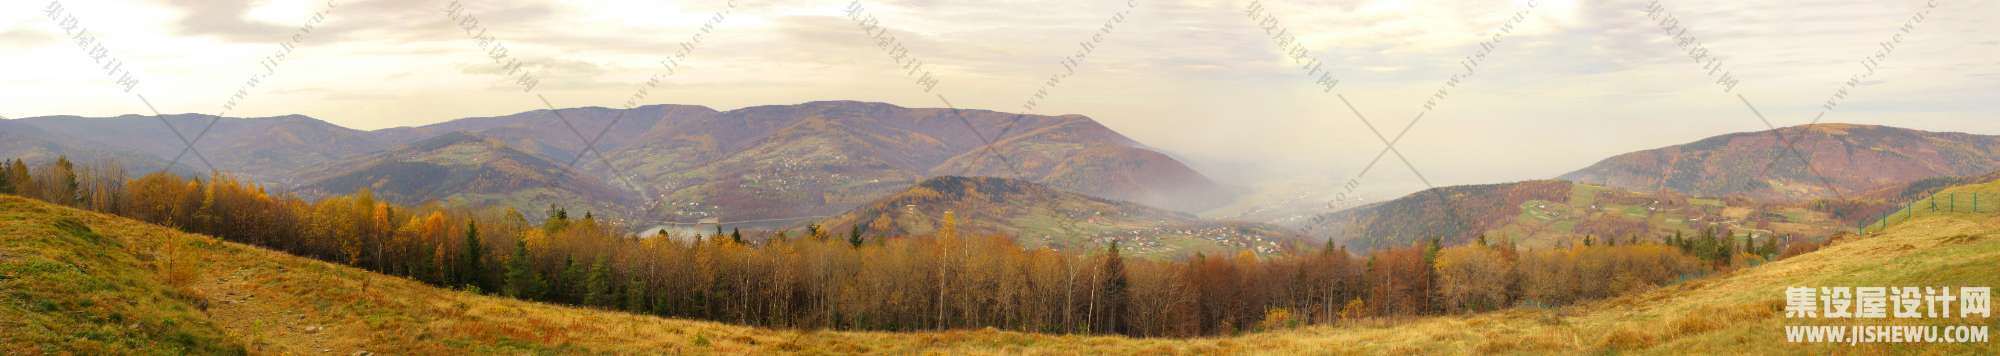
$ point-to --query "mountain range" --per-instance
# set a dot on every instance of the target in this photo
(1844, 159)
(1057, 180)
(1547, 213)
(675, 163)
(1750, 183)
(1037, 215)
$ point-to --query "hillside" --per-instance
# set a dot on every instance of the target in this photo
(32, 144)
(541, 132)
(1552, 212)
(1851, 158)
(74, 281)
(268, 149)
(467, 170)
(754, 163)
(1040, 216)
(827, 157)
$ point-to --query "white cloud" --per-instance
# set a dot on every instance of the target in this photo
(1577, 81)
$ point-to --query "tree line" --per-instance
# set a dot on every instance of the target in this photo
(819, 279)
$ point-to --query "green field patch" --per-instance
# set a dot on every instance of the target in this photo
(1542, 210)
(1584, 195)
(1707, 203)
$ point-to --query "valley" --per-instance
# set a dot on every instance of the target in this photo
(1259, 177)
(178, 292)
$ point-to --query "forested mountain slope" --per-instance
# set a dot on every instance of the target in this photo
(75, 281)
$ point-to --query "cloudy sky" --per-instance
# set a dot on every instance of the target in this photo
(1572, 83)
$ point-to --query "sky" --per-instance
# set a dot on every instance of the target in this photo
(1568, 84)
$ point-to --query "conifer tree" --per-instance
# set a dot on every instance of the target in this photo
(22, 182)
(522, 281)
(1115, 296)
(598, 285)
(558, 220)
(66, 185)
(854, 237)
(6, 184)
(469, 264)
(572, 286)
(636, 295)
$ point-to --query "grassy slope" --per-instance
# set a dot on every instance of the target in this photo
(60, 289)
(1545, 223)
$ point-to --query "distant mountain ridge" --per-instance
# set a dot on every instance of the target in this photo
(1852, 159)
(1037, 215)
(464, 169)
(264, 149)
(685, 162)
(1547, 213)
(1719, 182)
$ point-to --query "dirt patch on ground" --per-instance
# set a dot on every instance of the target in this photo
(265, 324)
(1961, 238)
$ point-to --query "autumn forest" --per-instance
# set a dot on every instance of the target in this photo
(861, 279)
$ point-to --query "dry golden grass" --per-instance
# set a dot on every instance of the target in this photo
(267, 302)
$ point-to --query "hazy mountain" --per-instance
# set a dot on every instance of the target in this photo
(1852, 159)
(684, 163)
(30, 143)
(465, 169)
(1078, 154)
(826, 157)
(542, 132)
(1037, 215)
(1553, 212)
(267, 150)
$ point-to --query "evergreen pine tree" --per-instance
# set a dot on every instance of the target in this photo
(6, 184)
(1115, 296)
(572, 285)
(469, 264)
(598, 285)
(1727, 250)
(22, 182)
(635, 295)
(854, 237)
(558, 220)
(522, 281)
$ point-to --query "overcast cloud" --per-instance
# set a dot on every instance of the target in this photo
(1574, 83)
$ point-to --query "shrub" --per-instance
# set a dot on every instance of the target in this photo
(1626, 338)
(1277, 319)
(1695, 322)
